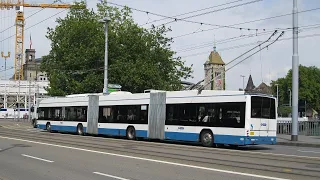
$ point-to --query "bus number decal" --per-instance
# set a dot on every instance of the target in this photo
(263, 124)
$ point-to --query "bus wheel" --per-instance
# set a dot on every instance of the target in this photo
(207, 138)
(80, 129)
(131, 133)
(48, 127)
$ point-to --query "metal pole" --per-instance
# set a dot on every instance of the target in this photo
(295, 74)
(29, 102)
(105, 87)
(277, 95)
(242, 82)
(19, 91)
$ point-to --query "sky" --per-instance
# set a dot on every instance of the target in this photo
(269, 64)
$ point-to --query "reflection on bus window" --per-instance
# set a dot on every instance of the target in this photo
(263, 107)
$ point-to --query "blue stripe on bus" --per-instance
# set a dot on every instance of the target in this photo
(64, 128)
(221, 139)
(41, 126)
(121, 132)
(180, 136)
(61, 128)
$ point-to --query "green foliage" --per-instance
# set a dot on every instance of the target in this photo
(138, 58)
(309, 86)
(284, 111)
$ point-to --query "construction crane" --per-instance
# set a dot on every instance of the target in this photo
(20, 22)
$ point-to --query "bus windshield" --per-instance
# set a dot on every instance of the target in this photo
(263, 107)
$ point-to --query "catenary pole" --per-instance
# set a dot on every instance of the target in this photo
(295, 74)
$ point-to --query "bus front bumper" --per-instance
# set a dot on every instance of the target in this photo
(252, 140)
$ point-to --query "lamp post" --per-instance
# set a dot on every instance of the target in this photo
(295, 72)
(105, 86)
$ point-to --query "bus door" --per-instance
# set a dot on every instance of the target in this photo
(157, 115)
(263, 115)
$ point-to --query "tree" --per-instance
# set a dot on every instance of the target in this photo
(139, 59)
(309, 86)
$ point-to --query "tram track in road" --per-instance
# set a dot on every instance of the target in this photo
(180, 147)
(216, 159)
(128, 143)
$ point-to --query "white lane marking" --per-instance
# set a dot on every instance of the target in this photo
(37, 158)
(150, 160)
(108, 175)
(194, 147)
(309, 151)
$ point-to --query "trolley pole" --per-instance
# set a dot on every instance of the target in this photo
(105, 85)
(295, 74)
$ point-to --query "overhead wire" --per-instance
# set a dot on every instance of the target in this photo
(30, 16)
(36, 24)
(274, 33)
(212, 80)
(192, 12)
(195, 22)
(257, 20)
(248, 44)
(201, 14)
(236, 38)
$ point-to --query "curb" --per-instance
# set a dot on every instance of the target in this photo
(300, 144)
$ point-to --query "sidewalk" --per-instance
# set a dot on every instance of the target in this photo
(304, 141)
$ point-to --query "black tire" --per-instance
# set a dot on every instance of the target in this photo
(131, 133)
(80, 130)
(48, 127)
(233, 146)
(207, 138)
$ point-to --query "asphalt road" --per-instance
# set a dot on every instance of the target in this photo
(31, 154)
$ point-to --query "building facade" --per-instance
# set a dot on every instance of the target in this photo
(14, 94)
(214, 69)
(262, 88)
(31, 67)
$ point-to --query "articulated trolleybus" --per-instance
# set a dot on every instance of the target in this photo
(213, 117)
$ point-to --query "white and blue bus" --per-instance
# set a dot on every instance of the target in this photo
(212, 117)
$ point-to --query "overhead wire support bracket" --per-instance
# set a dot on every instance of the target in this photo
(202, 87)
(274, 33)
